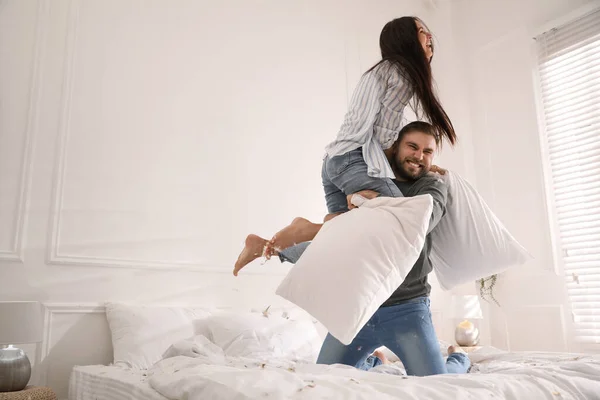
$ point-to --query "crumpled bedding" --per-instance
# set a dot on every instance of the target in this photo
(197, 369)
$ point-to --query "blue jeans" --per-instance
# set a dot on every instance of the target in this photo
(407, 330)
(346, 174)
(343, 175)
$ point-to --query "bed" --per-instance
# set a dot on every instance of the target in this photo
(251, 355)
(101, 382)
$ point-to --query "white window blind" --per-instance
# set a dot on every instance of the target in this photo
(569, 70)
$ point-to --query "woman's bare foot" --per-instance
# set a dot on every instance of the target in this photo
(253, 248)
(300, 230)
(379, 354)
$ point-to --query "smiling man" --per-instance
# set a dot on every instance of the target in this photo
(411, 159)
(412, 156)
(403, 322)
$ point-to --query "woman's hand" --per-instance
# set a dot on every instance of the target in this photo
(366, 194)
(437, 170)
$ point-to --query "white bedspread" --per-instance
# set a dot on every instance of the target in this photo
(495, 375)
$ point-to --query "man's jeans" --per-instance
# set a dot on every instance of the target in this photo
(407, 330)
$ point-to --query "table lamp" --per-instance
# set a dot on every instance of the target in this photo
(20, 322)
(466, 308)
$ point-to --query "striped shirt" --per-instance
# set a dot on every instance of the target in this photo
(374, 118)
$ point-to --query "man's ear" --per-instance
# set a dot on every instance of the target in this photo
(395, 147)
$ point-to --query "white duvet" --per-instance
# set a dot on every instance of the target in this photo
(198, 371)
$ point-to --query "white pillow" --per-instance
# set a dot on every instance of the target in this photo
(255, 335)
(141, 334)
(357, 260)
(470, 243)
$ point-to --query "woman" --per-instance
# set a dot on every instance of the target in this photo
(355, 160)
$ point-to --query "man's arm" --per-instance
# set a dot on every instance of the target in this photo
(437, 188)
(429, 184)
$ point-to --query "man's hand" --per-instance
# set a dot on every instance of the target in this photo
(367, 194)
(437, 170)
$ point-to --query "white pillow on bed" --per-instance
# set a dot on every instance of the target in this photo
(470, 242)
(357, 260)
(142, 333)
(256, 335)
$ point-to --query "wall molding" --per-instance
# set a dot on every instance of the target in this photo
(172, 266)
(51, 309)
(53, 254)
(31, 125)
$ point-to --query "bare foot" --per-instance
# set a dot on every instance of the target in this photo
(254, 248)
(300, 230)
(379, 354)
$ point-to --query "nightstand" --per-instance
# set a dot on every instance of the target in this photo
(30, 393)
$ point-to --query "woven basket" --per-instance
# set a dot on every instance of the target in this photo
(30, 393)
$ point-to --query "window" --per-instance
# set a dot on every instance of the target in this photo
(569, 72)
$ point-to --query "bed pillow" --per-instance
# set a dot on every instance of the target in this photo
(264, 334)
(356, 261)
(142, 333)
(470, 242)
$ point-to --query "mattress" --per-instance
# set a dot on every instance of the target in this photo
(100, 382)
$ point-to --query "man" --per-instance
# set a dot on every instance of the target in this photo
(403, 322)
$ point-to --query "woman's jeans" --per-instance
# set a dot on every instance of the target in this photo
(407, 330)
(343, 175)
(346, 174)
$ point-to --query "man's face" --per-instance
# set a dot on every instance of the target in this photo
(414, 156)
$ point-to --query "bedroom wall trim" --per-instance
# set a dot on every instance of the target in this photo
(15, 253)
(53, 253)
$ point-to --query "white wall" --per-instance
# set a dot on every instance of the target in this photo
(496, 41)
(141, 142)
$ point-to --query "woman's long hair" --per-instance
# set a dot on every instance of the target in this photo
(399, 43)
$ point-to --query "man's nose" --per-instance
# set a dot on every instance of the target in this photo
(419, 155)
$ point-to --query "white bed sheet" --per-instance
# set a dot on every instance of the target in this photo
(495, 375)
(100, 382)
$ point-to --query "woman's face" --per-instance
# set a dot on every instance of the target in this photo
(425, 39)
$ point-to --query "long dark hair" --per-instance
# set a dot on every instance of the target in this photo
(399, 43)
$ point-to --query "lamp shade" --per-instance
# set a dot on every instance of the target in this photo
(467, 307)
(20, 322)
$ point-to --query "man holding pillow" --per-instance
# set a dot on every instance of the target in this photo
(403, 322)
